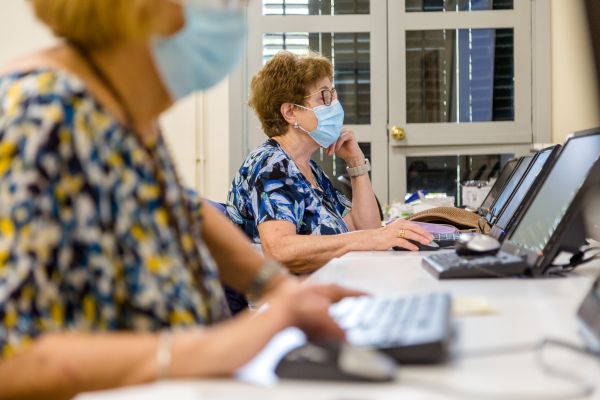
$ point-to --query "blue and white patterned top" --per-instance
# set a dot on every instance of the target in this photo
(269, 186)
(85, 238)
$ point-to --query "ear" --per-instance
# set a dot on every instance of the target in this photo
(287, 111)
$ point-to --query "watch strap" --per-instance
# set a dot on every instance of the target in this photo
(360, 170)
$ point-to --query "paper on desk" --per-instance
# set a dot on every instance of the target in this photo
(477, 305)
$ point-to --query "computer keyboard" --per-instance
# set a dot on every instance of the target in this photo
(446, 239)
(411, 329)
(449, 265)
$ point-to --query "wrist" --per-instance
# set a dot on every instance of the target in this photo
(361, 240)
(355, 161)
(270, 275)
(359, 170)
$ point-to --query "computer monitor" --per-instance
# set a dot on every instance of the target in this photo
(538, 168)
(498, 186)
(546, 226)
(509, 188)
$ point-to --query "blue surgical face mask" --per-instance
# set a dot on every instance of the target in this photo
(204, 52)
(329, 123)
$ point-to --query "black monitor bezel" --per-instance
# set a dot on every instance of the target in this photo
(532, 192)
(539, 263)
(482, 211)
(491, 219)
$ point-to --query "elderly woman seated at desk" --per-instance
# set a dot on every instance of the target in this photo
(282, 199)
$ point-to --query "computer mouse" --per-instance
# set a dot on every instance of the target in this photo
(431, 246)
(471, 244)
(337, 362)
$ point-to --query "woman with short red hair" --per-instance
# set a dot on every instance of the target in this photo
(281, 198)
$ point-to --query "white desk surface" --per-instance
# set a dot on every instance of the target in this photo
(525, 311)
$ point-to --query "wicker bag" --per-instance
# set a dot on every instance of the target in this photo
(463, 220)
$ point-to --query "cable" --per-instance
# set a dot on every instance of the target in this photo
(575, 261)
(584, 388)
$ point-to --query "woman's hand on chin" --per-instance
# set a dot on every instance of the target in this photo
(346, 147)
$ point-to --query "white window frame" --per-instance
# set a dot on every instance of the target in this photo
(452, 133)
(245, 130)
(373, 133)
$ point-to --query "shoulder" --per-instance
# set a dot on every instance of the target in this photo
(48, 116)
(22, 90)
(268, 160)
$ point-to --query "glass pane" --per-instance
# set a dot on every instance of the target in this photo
(445, 174)
(464, 75)
(315, 7)
(457, 5)
(335, 168)
(350, 54)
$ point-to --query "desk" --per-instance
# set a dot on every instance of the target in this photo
(526, 310)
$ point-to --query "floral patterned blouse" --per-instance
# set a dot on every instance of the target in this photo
(85, 238)
(269, 186)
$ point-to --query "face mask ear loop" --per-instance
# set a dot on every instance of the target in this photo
(297, 124)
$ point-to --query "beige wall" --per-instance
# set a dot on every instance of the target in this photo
(575, 104)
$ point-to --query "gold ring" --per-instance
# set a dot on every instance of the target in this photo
(401, 233)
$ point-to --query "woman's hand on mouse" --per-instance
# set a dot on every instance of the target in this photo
(398, 233)
(307, 307)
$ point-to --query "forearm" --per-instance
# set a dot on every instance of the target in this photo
(58, 366)
(365, 212)
(238, 260)
(306, 253)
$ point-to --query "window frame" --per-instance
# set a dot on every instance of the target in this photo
(245, 130)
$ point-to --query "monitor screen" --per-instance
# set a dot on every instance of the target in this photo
(510, 187)
(516, 200)
(557, 192)
(498, 186)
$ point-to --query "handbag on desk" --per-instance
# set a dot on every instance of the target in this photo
(463, 220)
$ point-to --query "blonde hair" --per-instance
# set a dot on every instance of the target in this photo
(96, 23)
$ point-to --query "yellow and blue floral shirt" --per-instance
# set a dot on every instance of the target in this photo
(85, 238)
(269, 186)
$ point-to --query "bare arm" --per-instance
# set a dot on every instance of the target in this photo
(238, 260)
(58, 366)
(365, 212)
(306, 253)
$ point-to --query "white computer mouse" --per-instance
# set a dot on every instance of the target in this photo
(337, 363)
(470, 244)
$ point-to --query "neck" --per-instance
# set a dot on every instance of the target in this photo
(131, 71)
(298, 145)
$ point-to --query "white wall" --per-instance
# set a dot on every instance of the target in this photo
(195, 128)
(20, 33)
(575, 104)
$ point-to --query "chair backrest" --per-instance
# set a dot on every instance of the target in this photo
(219, 206)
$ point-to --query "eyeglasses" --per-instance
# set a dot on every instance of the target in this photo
(327, 95)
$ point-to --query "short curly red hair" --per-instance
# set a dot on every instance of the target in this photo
(285, 78)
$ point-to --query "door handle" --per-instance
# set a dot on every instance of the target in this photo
(397, 133)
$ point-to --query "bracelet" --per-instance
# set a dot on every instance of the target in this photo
(163, 355)
(269, 270)
(360, 170)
